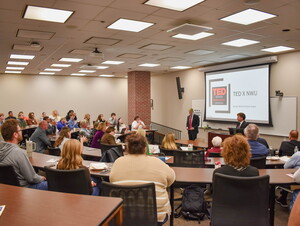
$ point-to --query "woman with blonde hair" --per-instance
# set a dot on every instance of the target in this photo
(87, 119)
(64, 135)
(169, 142)
(71, 159)
(55, 116)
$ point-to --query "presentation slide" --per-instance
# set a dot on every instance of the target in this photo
(229, 92)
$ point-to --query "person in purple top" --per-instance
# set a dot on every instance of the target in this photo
(98, 135)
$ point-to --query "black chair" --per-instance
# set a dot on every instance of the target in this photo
(8, 175)
(139, 202)
(105, 147)
(111, 155)
(214, 154)
(54, 151)
(69, 181)
(167, 152)
(240, 200)
(258, 162)
(194, 159)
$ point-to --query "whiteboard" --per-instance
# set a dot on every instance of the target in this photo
(283, 113)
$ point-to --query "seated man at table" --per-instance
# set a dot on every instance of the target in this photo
(288, 147)
(11, 154)
(51, 125)
(40, 137)
(257, 149)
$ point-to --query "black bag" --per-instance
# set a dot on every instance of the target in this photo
(193, 206)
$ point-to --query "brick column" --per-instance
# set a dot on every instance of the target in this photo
(139, 96)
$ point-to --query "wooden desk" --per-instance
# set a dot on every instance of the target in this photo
(195, 143)
(204, 176)
(25, 206)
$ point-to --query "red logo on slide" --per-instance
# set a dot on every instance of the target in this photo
(219, 95)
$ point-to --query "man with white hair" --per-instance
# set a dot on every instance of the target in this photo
(216, 142)
(257, 149)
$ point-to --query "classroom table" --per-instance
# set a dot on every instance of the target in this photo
(26, 206)
(195, 143)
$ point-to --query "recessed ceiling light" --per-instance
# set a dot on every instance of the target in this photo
(130, 25)
(60, 65)
(181, 67)
(108, 76)
(240, 42)
(149, 65)
(178, 5)
(17, 63)
(46, 73)
(13, 72)
(193, 37)
(277, 49)
(87, 71)
(21, 57)
(78, 74)
(15, 68)
(47, 14)
(102, 67)
(248, 16)
(112, 62)
(52, 69)
(70, 59)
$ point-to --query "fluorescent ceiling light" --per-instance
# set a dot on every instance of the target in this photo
(248, 16)
(193, 37)
(15, 68)
(17, 63)
(78, 74)
(46, 73)
(87, 71)
(21, 57)
(13, 72)
(277, 49)
(181, 67)
(108, 76)
(178, 5)
(70, 59)
(102, 67)
(52, 69)
(149, 65)
(47, 14)
(240, 42)
(60, 65)
(112, 62)
(130, 25)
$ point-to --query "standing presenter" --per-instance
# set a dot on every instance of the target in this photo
(192, 124)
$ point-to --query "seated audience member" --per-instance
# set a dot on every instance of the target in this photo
(113, 119)
(138, 168)
(216, 142)
(71, 159)
(236, 153)
(169, 142)
(85, 132)
(68, 115)
(137, 123)
(61, 124)
(10, 116)
(1, 119)
(21, 120)
(51, 125)
(142, 132)
(108, 137)
(55, 116)
(293, 162)
(121, 125)
(31, 120)
(40, 137)
(257, 149)
(11, 154)
(98, 135)
(288, 147)
(263, 141)
(72, 124)
(87, 119)
(64, 135)
(100, 118)
(44, 114)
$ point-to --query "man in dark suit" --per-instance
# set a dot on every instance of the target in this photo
(192, 124)
(242, 124)
(288, 147)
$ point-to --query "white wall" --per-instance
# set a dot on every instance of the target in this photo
(82, 94)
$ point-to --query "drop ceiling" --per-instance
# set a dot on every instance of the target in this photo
(86, 30)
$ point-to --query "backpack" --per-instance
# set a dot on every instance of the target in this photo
(193, 206)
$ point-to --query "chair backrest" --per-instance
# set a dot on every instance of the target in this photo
(69, 181)
(193, 159)
(258, 162)
(111, 155)
(240, 200)
(54, 151)
(295, 213)
(214, 154)
(105, 147)
(167, 152)
(139, 202)
(8, 175)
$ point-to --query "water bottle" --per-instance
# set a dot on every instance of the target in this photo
(296, 149)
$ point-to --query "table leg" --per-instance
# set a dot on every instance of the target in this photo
(172, 204)
(272, 204)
